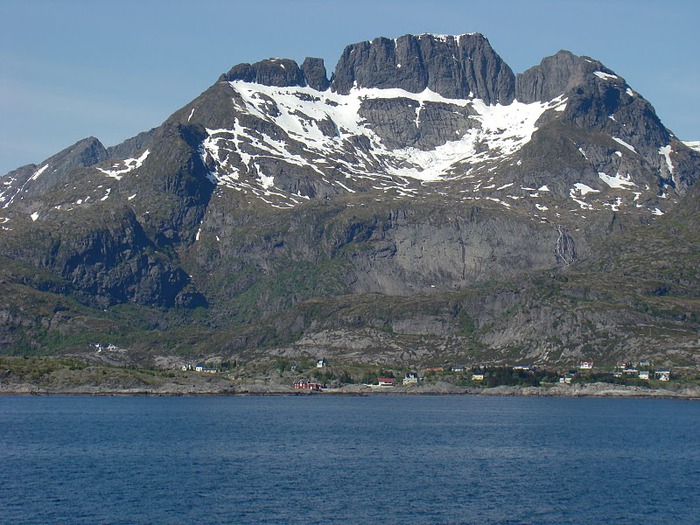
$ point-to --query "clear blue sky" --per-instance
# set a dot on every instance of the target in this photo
(70, 69)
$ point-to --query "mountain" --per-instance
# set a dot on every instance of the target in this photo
(424, 204)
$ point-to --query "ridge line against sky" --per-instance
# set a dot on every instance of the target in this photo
(80, 68)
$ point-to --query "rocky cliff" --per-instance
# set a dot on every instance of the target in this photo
(457, 67)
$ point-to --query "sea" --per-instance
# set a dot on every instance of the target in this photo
(348, 459)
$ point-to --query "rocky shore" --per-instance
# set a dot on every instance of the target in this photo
(228, 388)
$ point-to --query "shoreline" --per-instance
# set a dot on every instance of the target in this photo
(599, 390)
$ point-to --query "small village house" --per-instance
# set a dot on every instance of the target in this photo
(663, 375)
(410, 378)
(302, 384)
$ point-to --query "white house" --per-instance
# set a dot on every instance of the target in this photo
(663, 375)
(410, 378)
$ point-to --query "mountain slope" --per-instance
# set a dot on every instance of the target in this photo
(425, 203)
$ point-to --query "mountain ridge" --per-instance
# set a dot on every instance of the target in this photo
(373, 215)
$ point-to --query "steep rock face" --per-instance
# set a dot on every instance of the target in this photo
(554, 76)
(403, 122)
(131, 148)
(172, 199)
(281, 72)
(115, 262)
(271, 72)
(455, 67)
(315, 73)
(105, 258)
(406, 257)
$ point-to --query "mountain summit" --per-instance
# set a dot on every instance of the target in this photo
(424, 203)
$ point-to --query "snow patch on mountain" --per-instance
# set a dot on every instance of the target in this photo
(125, 166)
(618, 181)
(625, 144)
(605, 76)
(578, 192)
(666, 152)
(315, 126)
(583, 189)
(38, 172)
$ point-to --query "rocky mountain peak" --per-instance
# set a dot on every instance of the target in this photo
(556, 75)
(37, 179)
(423, 173)
(315, 73)
(457, 67)
(279, 72)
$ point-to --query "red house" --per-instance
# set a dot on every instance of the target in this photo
(307, 385)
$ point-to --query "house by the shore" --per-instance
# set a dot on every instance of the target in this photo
(310, 386)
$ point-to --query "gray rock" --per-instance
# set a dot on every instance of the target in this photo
(455, 67)
(315, 73)
(244, 72)
(393, 119)
(402, 122)
(554, 76)
(131, 147)
(280, 72)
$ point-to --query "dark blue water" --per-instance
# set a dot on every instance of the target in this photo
(318, 459)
